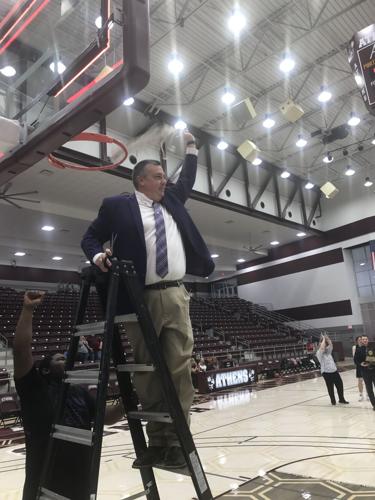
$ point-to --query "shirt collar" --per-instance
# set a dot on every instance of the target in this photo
(143, 199)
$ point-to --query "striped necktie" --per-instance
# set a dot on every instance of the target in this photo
(161, 242)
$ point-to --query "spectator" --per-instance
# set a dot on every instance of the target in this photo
(329, 371)
(84, 350)
(228, 361)
(202, 367)
(358, 367)
(38, 390)
(95, 344)
(365, 356)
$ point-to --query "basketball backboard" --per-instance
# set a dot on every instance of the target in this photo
(64, 65)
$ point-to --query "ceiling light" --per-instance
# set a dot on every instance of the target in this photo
(98, 22)
(48, 228)
(175, 66)
(274, 243)
(301, 234)
(353, 120)
(373, 142)
(358, 80)
(362, 264)
(8, 71)
(236, 22)
(349, 170)
(257, 161)
(240, 261)
(345, 152)
(324, 95)
(328, 158)
(287, 64)
(222, 145)
(214, 256)
(309, 185)
(20, 254)
(180, 125)
(301, 143)
(60, 67)
(285, 174)
(129, 101)
(228, 97)
(87, 262)
(268, 122)
(56, 258)
(368, 183)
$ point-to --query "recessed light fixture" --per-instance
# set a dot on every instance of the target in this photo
(309, 185)
(214, 256)
(8, 71)
(228, 97)
(60, 67)
(358, 80)
(268, 122)
(236, 22)
(362, 264)
(285, 174)
(56, 257)
(98, 22)
(48, 228)
(328, 158)
(368, 183)
(274, 243)
(180, 125)
(301, 234)
(373, 142)
(87, 262)
(301, 143)
(240, 261)
(324, 95)
(257, 161)
(349, 171)
(175, 65)
(287, 64)
(353, 120)
(20, 254)
(129, 101)
(222, 145)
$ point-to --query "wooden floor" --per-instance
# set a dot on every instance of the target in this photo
(280, 440)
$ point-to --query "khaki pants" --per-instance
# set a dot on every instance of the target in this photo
(169, 310)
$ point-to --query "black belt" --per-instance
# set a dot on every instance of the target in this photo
(162, 285)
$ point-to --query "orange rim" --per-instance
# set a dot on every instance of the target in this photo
(93, 137)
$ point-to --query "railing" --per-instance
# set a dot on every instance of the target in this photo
(4, 346)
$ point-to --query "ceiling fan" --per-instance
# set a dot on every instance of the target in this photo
(12, 197)
(257, 249)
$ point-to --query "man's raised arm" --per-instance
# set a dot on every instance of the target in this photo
(23, 360)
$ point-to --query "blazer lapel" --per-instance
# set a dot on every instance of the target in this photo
(136, 213)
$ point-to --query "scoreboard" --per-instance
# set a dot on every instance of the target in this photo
(361, 55)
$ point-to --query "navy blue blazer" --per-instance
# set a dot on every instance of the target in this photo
(121, 216)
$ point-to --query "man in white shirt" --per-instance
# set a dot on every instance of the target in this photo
(154, 230)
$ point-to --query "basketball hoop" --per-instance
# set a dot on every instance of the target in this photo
(90, 136)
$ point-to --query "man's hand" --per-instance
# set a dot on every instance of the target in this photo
(32, 299)
(103, 262)
(188, 137)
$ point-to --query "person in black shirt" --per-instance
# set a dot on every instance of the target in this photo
(38, 390)
(368, 368)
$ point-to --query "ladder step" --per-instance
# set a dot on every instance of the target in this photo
(50, 495)
(151, 416)
(72, 434)
(82, 377)
(131, 367)
(126, 318)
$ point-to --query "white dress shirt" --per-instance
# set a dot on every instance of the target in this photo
(175, 247)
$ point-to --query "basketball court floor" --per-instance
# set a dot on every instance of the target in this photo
(279, 440)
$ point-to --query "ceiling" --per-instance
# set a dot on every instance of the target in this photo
(314, 32)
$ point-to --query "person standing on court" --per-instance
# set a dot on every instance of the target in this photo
(365, 357)
(153, 229)
(329, 371)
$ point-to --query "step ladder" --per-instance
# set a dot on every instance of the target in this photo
(65, 439)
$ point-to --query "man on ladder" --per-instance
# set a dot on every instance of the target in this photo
(153, 229)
